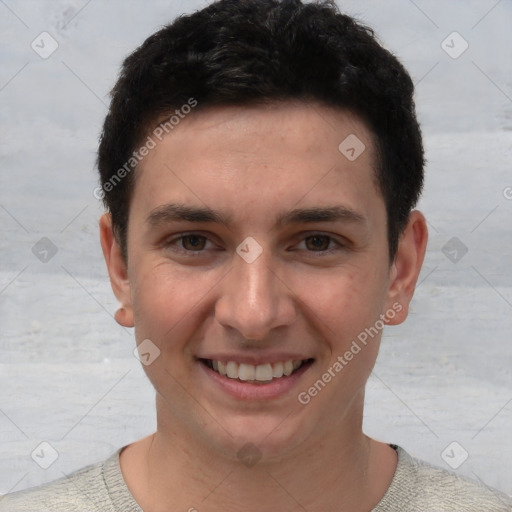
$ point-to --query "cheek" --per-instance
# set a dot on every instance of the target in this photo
(166, 300)
(169, 305)
(346, 302)
(346, 309)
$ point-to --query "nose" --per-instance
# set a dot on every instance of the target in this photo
(254, 299)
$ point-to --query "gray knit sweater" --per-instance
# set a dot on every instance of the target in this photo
(416, 487)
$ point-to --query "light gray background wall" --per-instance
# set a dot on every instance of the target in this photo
(67, 373)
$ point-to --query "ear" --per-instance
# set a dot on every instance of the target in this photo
(406, 267)
(117, 270)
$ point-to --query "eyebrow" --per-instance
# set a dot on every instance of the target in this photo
(177, 212)
(320, 214)
(180, 212)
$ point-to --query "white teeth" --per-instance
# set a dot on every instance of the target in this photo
(261, 372)
(246, 371)
(288, 368)
(264, 372)
(222, 367)
(277, 370)
(232, 370)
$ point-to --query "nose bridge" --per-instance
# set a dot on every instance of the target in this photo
(253, 299)
(257, 283)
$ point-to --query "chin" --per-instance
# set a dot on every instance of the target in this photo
(267, 438)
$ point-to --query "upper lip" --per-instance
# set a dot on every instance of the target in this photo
(256, 359)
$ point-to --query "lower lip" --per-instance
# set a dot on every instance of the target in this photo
(262, 391)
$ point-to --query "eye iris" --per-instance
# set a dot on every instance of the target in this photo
(321, 242)
(197, 242)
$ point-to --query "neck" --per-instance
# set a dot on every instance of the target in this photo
(344, 470)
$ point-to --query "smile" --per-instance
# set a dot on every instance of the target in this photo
(255, 373)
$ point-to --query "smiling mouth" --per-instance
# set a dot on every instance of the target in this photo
(258, 374)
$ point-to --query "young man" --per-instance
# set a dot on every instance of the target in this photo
(260, 163)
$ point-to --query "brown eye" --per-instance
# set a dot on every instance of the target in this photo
(197, 242)
(318, 242)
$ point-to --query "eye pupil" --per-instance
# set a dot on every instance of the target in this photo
(320, 241)
(196, 242)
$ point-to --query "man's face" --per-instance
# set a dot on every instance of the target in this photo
(282, 280)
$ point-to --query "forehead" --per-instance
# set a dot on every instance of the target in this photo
(268, 156)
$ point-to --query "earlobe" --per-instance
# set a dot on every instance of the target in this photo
(407, 266)
(117, 271)
(123, 316)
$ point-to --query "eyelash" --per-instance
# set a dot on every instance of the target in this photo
(187, 252)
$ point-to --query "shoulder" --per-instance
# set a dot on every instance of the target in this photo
(83, 490)
(421, 487)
